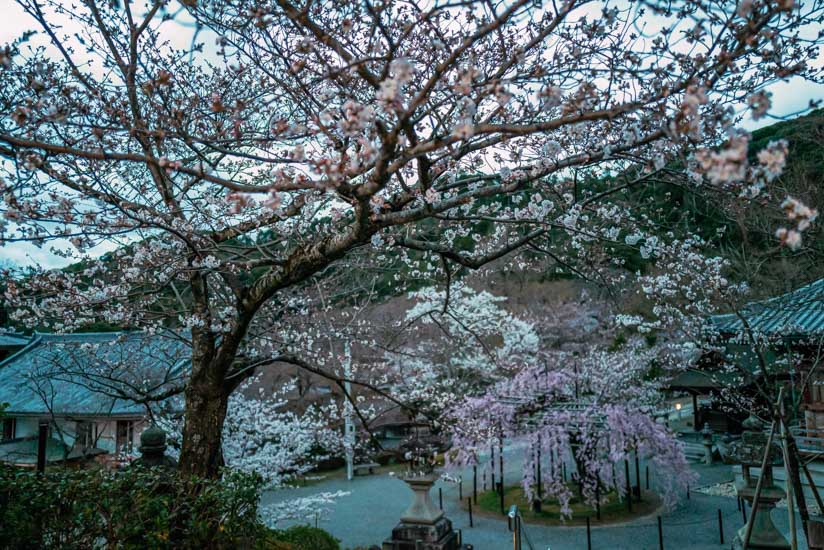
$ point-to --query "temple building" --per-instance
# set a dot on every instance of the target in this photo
(91, 389)
(783, 336)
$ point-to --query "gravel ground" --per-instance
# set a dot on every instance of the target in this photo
(369, 513)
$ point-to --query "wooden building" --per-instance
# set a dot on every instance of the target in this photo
(789, 335)
(79, 385)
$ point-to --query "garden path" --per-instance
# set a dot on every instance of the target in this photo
(369, 513)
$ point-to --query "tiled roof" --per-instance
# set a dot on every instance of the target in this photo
(797, 313)
(10, 340)
(80, 374)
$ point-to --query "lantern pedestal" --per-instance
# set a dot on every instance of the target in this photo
(750, 452)
(422, 526)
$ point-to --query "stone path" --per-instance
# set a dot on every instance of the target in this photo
(367, 516)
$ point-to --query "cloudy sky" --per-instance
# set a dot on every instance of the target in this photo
(788, 98)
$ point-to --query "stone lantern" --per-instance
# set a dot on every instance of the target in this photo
(706, 440)
(423, 526)
(750, 452)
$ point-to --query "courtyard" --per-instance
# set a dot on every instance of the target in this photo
(374, 504)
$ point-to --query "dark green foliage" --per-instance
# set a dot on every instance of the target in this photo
(744, 231)
(134, 508)
(618, 342)
(304, 537)
(803, 133)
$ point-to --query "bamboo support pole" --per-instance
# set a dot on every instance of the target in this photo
(760, 484)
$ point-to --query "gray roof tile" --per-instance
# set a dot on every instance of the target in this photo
(797, 313)
(81, 374)
(11, 340)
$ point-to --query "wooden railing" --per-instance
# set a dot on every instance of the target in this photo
(809, 440)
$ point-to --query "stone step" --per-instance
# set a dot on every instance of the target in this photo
(693, 451)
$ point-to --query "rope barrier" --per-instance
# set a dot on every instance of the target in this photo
(713, 517)
(659, 525)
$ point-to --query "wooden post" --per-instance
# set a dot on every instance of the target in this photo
(440, 498)
(795, 475)
(787, 483)
(637, 476)
(492, 465)
(501, 464)
(42, 437)
(647, 473)
(501, 485)
(469, 504)
(475, 483)
(629, 489)
(695, 412)
(589, 536)
(660, 534)
(720, 526)
(760, 484)
(460, 488)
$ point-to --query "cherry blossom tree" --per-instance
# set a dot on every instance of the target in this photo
(594, 410)
(456, 341)
(448, 134)
(261, 434)
(487, 376)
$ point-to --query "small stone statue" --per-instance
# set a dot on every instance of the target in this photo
(153, 449)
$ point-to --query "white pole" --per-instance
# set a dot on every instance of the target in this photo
(349, 428)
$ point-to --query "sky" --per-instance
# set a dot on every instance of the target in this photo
(787, 97)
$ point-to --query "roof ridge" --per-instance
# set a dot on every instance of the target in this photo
(802, 308)
(33, 343)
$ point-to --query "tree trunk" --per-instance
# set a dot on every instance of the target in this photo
(206, 404)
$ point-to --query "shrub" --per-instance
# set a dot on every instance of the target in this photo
(303, 537)
(134, 508)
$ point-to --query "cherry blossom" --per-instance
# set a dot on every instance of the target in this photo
(219, 168)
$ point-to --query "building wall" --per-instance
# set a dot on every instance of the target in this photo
(103, 429)
(26, 427)
(107, 434)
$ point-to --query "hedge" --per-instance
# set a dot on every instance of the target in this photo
(139, 508)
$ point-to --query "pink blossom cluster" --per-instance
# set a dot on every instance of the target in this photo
(589, 412)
